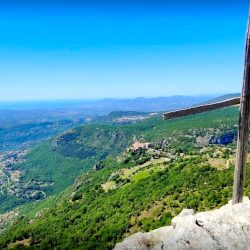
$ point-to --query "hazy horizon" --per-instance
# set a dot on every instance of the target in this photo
(110, 98)
(78, 103)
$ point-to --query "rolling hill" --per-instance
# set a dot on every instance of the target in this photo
(129, 190)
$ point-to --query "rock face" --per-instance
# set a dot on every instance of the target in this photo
(224, 228)
(224, 139)
(98, 166)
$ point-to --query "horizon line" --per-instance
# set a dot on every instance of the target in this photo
(114, 98)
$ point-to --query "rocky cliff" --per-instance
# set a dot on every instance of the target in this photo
(224, 228)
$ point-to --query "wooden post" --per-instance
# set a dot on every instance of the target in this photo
(243, 129)
(244, 122)
(201, 108)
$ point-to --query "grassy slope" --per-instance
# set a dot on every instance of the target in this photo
(26, 135)
(97, 219)
(76, 151)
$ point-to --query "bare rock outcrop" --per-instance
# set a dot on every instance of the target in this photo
(224, 228)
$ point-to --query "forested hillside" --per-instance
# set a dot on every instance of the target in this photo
(52, 166)
(124, 188)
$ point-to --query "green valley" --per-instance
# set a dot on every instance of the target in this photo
(132, 177)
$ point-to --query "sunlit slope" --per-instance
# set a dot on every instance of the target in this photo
(134, 189)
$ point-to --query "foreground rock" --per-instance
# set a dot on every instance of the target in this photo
(224, 228)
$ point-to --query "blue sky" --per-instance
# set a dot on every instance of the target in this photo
(96, 49)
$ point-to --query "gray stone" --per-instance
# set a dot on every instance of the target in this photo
(224, 228)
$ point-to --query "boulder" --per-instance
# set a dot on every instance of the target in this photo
(75, 196)
(224, 228)
(98, 166)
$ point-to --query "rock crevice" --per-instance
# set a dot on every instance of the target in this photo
(199, 224)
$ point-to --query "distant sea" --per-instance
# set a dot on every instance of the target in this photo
(48, 104)
(138, 104)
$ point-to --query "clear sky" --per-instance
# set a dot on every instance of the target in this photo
(95, 49)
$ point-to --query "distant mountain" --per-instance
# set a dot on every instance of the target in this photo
(145, 104)
(12, 114)
(108, 105)
(223, 97)
(22, 127)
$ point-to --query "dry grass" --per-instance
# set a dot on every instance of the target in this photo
(108, 185)
(25, 243)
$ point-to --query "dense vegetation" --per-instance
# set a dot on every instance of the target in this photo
(85, 216)
(28, 134)
(96, 220)
(54, 165)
